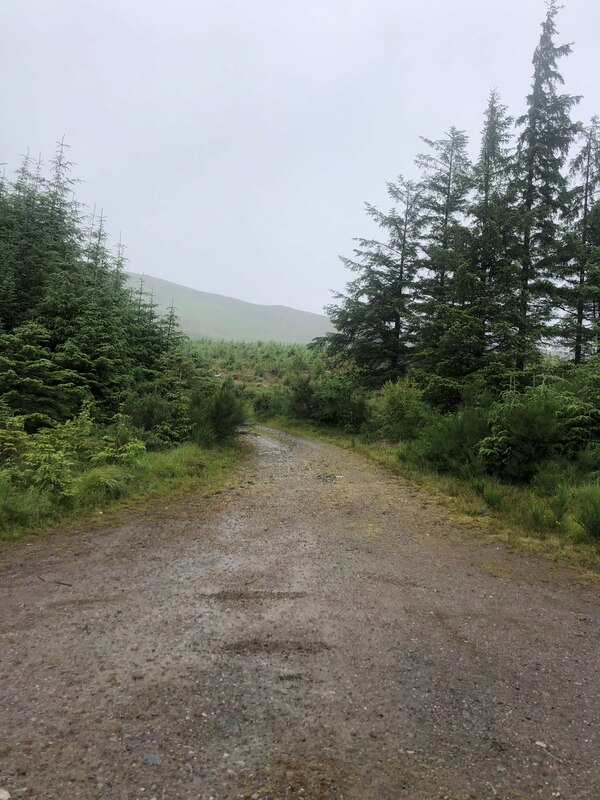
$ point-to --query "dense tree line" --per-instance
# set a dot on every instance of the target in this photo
(71, 331)
(480, 266)
(91, 377)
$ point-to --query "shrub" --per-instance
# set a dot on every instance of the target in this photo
(450, 443)
(445, 394)
(333, 398)
(302, 396)
(274, 401)
(531, 427)
(226, 411)
(148, 410)
(399, 412)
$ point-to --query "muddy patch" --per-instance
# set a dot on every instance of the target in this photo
(285, 647)
(307, 777)
(242, 596)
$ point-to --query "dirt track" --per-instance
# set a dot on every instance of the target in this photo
(318, 631)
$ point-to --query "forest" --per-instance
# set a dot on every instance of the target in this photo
(465, 346)
(100, 398)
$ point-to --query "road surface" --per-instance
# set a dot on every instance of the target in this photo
(317, 630)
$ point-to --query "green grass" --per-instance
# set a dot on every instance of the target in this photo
(113, 487)
(588, 515)
(561, 525)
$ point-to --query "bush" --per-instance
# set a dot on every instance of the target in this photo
(274, 401)
(226, 412)
(450, 443)
(302, 396)
(445, 394)
(531, 427)
(399, 412)
(338, 400)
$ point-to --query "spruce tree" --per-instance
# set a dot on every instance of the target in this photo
(494, 240)
(446, 181)
(543, 148)
(580, 289)
(375, 319)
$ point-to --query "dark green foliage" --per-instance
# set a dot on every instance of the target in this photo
(528, 428)
(501, 256)
(375, 319)
(579, 291)
(339, 401)
(70, 327)
(90, 376)
(226, 411)
(444, 394)
(450, 443)
(334, 398)
(34, 380)
(543, 148)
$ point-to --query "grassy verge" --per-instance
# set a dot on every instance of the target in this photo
(517, 516)
(116, 486)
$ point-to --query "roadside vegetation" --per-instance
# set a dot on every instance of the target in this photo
(100, 397)
(466, 346)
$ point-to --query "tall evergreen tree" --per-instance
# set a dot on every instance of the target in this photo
(375, 319)
(544, 143)
(446, 181)
(580, 291)
(494, 239)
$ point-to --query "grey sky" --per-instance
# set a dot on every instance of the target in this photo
(234, 142)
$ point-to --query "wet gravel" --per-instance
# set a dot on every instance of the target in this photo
(318, 630)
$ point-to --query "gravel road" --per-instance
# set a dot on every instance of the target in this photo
(317, 630)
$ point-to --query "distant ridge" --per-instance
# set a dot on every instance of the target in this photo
(203, 314)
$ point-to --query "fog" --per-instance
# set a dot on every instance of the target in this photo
(233, 143)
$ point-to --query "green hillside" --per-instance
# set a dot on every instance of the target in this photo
(203, 314)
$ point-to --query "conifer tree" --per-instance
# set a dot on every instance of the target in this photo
(543, 148)
(375, 319)
(446, 181)
(494, 239)
(580, 291)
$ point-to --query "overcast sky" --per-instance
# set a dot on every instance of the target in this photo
(234, 142)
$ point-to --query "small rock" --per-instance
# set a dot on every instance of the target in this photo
(4, 795)
(542, 744)
(152, 758)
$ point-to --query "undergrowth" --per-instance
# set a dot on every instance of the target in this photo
(113, 485)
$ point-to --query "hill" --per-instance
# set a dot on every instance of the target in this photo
(203, 314)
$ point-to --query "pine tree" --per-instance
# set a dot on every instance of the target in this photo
(374, 320)
(446, 181)
(580, 291)
(494, 239)
(33, 383)
(544, 143)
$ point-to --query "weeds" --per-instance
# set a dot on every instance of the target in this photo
(589, 512)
